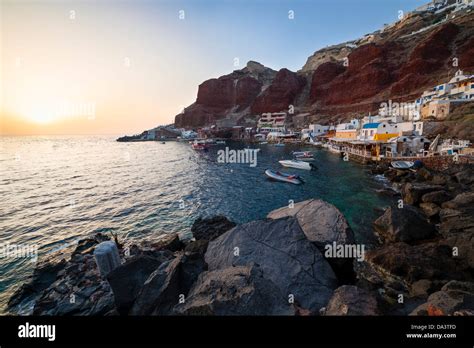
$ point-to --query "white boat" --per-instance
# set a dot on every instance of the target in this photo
(334, 148)
(284, 177)
(297, 164)
(402, 164)
(303, 155)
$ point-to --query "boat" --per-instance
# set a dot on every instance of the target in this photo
(402, 164)
(334, 148)
(284, 177)
(279, 144)
(163, 142)
(199, 145)
(303, 155)
(297, 164)
(220, 142)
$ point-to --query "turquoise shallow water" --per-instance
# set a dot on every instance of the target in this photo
(57, 189)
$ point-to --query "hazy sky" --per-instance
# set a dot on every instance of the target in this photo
(119, 67)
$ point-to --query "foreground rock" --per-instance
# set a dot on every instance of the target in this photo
(351, 300)
(240, 290)
(127, 280)
(284, 255)
(323, 224)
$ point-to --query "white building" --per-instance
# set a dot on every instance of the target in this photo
(272, 122)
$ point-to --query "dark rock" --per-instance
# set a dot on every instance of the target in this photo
(430, 209)
(240, 290)
(436, 197)
(412, 192)
(454, 296)
(45, 274)
(351, 300)
(465, 177)
(284, 254)
(160, 291)
(425, 173)
(398, 265)
(462, 200)
(127, 280)
(199, 246)
(211, 228)
(405, 224)
(323, 224)
(167, 242)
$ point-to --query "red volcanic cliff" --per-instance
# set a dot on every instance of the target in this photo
(341, 81)
(280, 94)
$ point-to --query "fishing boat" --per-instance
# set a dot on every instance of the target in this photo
(284, 177)
(297, 164)
(402, 164)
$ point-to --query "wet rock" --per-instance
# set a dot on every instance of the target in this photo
(425, 173)
(127, 280)
(240, 290)
(412, 192)
(45, 274)
(352, 300)
(211, 228)
(284, 254)
(199, 246)
(405, 224)
(437, 197)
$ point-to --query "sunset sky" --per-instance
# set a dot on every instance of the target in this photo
(119, 67)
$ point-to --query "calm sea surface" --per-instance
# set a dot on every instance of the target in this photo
(55, 190)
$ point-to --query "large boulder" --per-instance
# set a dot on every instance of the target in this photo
(240, 290)
(285, 255)
(321, 222)
(324, 225)
(405, 224)
(127, 280)
(430, 209)
(351, 300)
(412, 192)
(211, 228)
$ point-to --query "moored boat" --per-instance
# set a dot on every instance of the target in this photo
(303, 155)
(284, 177)
(402, 164)
(297, 164)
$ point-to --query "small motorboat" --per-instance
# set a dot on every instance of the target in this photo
(402, 164)
(199, 146)
(220, 142)
(284, 177)
(297, 164)
(303, 155)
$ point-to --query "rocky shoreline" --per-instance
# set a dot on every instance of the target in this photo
(300, 260)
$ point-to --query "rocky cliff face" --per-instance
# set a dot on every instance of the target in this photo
(398, 62)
